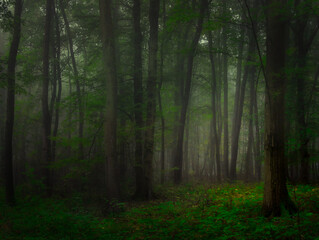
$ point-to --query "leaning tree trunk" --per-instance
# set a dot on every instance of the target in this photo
(7, 154)
(151, 98)
(178, 161)
(110, 119)
(275, 190)
(46, 118)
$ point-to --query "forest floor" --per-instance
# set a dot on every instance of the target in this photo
(228, 211)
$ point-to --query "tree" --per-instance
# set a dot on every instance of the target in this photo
(138, 99)
(46, 118)
(178, 161)
(110, 118)
(7, 153)
(77, 81)
(151, 91)
(275, 189)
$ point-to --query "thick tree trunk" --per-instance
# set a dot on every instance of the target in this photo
(110, 119)
(8, 153)
(77, 82)
(275, 190)
(178, 164)
(138, 100)
(46, 118)
(151, 98)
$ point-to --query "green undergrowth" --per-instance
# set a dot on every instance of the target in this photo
(185, 212)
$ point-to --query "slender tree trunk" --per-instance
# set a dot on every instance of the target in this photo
(151, 98)
(110, 119)
(239, 110)
(8, 153)
(257, 137)
(215, 139)
(225, 81)
(232, 171)
(178, 164)
(57, 49)
(77, 81)
(186, 158)
(46, 118)
(249, 156)
(160, 100)
(275, 190)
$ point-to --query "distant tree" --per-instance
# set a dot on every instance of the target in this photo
(77, 80)
(178, 160)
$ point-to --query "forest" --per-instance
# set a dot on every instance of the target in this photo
(159, 119)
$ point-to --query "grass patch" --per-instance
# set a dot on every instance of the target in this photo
(186, 212)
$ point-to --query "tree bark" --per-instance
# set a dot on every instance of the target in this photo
(8, 134)
(110, 119)
(178, 163)
(46, 118)
(275, 190)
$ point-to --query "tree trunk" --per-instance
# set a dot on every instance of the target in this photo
(215, 138)
(178, 164)
(57, 49)
(8, 153)
(275, 190)
(151, 98)
(225, 80)
(46, 118)
(249, 160)
(162, 157)
(257, 137)
(110, 120)
(77, 82)
(138, 100)
(239, 110)
(232, 171)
